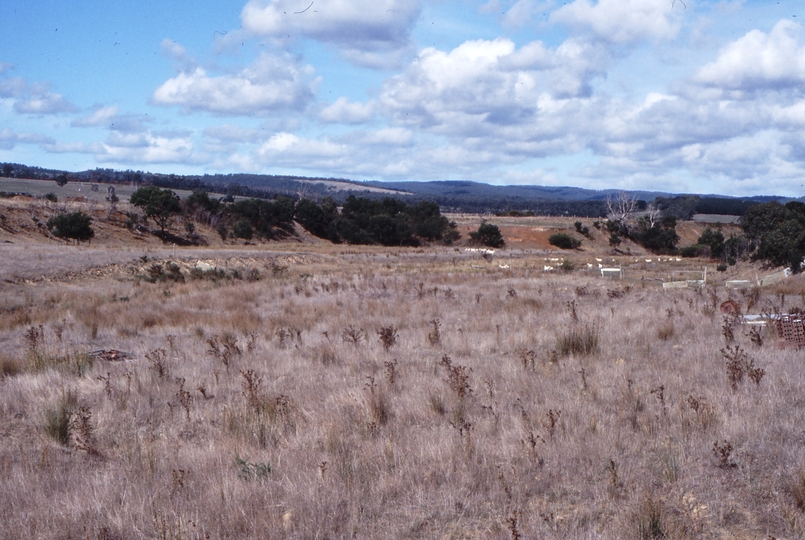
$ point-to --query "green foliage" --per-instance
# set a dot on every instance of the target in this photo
(263, 216)
(201, 200)
(51, 197)
(581, 229)
(681, 207)
(489, 235)
(74, 226)
(319, 219)
(660, 237)
(777, 231)
(564, 241)
(715, 240)
(389, 222)
(243, 229)
(161, 205)
(692, 251)
(61, 180)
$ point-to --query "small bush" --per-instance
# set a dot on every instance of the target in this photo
(564, 241)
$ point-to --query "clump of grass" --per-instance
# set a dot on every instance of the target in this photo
(377, 404)
(796, 488)
(57, 419)
(249, 471)
(665, 331)
(649, 520)
(705, 412)
(10, 367)
(578, 341)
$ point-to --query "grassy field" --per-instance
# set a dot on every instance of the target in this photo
(302, 390)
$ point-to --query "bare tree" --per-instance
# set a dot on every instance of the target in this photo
(653, 214)
(621, 208)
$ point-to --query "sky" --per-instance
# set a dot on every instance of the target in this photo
(688, 96)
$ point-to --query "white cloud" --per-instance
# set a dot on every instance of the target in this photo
(33, 99)
(145, 148)
(102, 116)
(273, 83)
(286, 145)
(183, 61)
(373, 33)
(482, 86)
(345, 112)
(10, 138)
(232, 133)
(759, 61)
(622, 21)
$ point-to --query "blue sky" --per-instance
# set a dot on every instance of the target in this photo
(693, 96)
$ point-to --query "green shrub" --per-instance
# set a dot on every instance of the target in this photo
(564, 241)
(74, 226)
(489, 235)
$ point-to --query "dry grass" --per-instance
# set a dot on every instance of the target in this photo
(392, 394)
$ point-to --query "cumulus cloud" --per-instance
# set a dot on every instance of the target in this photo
(759, 61)
(32, 98)
(372, 33)
(622, 21)
(489, 85)
(345, 112)
(272, 83)
(145, 147)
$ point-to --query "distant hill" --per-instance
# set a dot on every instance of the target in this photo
(451, 195)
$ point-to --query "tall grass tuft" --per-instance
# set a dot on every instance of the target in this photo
(578, 341)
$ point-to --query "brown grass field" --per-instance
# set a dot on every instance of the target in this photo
(305, 390)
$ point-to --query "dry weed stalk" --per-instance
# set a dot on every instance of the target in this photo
(457, 377)
(388, 336)
(723, 453)
(391, 371)
(158, 362)
(739, 364)
(353, 335)
(435, 336)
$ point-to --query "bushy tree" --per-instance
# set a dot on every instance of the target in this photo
(243, 229)
(777, 232)
(73, 226)
(658, 238)
(488, 235)
(161, 205)
(713, 239)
